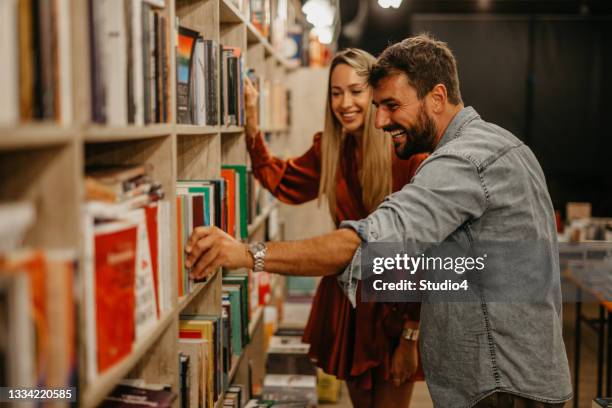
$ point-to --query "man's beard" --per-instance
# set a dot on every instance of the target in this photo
(419, 139)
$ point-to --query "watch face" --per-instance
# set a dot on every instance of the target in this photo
(257, 247)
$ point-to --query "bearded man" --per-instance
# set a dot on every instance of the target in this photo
(480, 185)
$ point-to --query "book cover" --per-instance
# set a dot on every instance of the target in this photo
(229, 175)
(126, 396)
(115, 273)
(184, 64)
(241, 187)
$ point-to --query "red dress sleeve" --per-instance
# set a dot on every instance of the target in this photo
(293, 181)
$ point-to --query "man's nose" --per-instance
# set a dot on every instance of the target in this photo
(382, 118)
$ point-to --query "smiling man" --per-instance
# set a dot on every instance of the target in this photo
(480, 184)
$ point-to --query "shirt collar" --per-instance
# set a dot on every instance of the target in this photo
(464, 116)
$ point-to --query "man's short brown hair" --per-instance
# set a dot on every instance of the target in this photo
(425, 61)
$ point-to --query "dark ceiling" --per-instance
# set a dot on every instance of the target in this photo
(384, 26)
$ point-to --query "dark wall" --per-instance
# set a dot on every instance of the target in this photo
(548, 80)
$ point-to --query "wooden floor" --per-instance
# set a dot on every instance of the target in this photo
(588, 368)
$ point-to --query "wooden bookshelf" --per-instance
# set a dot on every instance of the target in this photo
(45, 163)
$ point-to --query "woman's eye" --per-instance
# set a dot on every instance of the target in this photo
(357, 91)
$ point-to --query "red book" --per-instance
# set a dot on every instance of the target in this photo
(115, 250)
(197, 202)
(151, 214)
(230, 177)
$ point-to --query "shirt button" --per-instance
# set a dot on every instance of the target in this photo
(374, 235)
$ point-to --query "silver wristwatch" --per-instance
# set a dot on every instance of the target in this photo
(410, 334)
(258, 251)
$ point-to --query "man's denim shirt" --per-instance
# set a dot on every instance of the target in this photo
(483, 184)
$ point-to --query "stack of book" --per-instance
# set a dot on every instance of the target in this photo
(235, 397)
(202, 362)
(235, 301)
(127, 261)
(197, 68)
(36, 61)
(37, 307)
(199, 203)
(129, 62)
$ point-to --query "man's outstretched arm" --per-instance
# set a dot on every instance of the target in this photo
(209, 248)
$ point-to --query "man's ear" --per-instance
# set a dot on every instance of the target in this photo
(438, 98)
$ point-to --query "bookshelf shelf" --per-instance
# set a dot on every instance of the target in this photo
(259, 221)
(228, 13)
(99, 389)
(103, 134)
(35, 135)
(236, 360)
(257, 318)
(196, 130)
(232, 129)
(187, 299)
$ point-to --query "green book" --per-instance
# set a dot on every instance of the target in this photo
(233, 292)
(243, 282)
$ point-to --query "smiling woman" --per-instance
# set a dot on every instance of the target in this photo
(351, 166)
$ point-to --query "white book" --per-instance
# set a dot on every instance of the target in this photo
(17, 334)
(145, 315)
(114, 60)
(64, 29)
(9, 80)
(164, 252)
(200, 83)
(137, 62)
(89, 298)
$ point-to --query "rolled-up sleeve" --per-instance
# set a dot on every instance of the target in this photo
(446, 192)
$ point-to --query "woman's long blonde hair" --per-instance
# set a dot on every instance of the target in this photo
(375, 170)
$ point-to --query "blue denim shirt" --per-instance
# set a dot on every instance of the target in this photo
(480, 184)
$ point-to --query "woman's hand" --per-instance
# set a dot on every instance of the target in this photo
(251, 97)
(210, 248)
(404, 361)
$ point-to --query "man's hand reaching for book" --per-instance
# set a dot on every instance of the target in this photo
(210, 248)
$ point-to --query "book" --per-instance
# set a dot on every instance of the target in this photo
(197, 349)
(206, 328)
(184, 64)
(37, 287)
(115, 255)
(233, 294)
(17, 347)
(146, 309)
(129, 396)
(9, 80)
(193, 351)
(229, 175)
(242, 199)
(184, 380)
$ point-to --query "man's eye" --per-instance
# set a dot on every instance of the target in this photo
(391, 107)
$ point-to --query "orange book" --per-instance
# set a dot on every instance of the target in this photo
(151, 215)
(179, 229)
(230, 177)
(115, 263)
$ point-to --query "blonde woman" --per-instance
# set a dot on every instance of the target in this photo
(351, 165)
